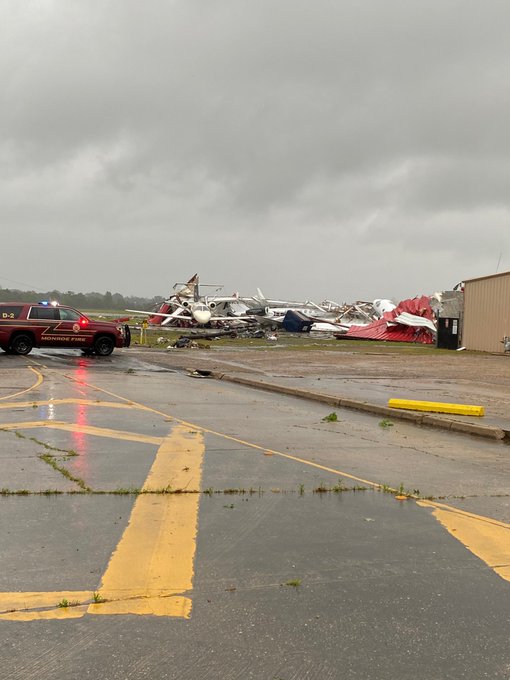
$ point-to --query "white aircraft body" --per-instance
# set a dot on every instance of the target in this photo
(186, 307)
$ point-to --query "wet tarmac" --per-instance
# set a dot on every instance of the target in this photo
(194, 529)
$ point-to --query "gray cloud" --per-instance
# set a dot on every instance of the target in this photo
(343, 149)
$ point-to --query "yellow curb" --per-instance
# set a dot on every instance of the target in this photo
(437, 407)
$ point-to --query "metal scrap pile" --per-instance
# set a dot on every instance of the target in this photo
(357, 313)
(411, 321)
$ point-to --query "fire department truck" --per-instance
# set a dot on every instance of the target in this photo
(24, 325)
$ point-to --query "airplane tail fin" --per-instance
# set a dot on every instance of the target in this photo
(260, 295)
(188, 289)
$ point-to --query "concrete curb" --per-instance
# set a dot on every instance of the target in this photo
(487, 431)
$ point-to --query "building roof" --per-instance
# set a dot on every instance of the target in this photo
(490, 276)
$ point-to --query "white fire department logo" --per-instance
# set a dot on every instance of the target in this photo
(76, 327)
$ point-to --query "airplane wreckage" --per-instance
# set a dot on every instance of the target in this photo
(413, 320)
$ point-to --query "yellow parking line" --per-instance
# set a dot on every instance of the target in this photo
(152, 568)
(487, 538)
(39, 380)
(83, 429)
(47, 605)
(57, 402)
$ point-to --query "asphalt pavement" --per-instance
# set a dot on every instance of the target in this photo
(155, 525)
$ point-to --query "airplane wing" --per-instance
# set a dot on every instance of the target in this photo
(141, 311)
(174, 315)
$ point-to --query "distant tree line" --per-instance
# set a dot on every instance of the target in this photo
(105, 301)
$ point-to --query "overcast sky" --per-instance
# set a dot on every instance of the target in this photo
(341, 149)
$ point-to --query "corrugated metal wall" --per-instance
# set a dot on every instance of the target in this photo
(486, 313)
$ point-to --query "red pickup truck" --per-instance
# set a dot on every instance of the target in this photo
(24, 325)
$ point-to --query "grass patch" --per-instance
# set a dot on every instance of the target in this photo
(51, 460)
(339, 486)
(68, 452)
(65, 603)
(300, 342)
(126, 491)
(322, 488)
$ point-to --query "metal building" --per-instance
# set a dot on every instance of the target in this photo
(486, 312)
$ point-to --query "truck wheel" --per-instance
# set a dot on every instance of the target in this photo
(103, 345)
(21, 344)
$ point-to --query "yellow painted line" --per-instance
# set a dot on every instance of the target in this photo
(487, 538)
(152, 568)
(57, 402)
(151, 571)
(437, 407)
(33, 606)
(39, 380)
(83, 429)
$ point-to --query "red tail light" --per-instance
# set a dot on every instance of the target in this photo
(84, 322)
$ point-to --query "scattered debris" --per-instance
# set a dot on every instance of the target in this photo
(200, 373)
(411, 321)
(214, 316)
(184, 342)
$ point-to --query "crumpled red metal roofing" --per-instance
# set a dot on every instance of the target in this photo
(386, 328)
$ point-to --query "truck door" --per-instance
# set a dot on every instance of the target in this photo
(72, 326)
(44, 321)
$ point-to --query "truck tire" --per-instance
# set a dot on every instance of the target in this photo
(104, 345)
(21, 344)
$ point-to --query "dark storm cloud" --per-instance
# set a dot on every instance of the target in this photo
(199, 128)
